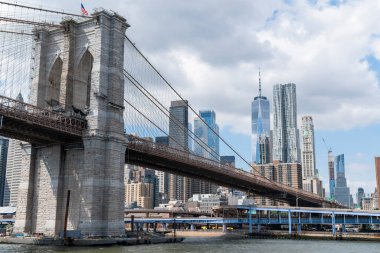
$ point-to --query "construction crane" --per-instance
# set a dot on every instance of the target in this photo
(327, 148)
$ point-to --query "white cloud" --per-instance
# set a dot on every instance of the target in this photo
(211, 52)
(319, 47)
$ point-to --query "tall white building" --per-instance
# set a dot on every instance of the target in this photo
(285, 133)
(308, 148)
(13, 173)
(310, 179)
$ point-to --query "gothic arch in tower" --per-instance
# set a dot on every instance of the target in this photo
(82, 81)
(54, 83)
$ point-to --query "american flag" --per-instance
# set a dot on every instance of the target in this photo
(83, 10)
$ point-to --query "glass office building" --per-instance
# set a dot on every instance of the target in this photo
(260, 123)
(341, 191)
(209, 145)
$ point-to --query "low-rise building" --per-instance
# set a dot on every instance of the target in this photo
(375, 198)
(207, 201)
(367, 203)
(314, 185)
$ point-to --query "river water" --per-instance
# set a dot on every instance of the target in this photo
(216, 245)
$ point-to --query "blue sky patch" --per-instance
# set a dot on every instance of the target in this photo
(374, 65)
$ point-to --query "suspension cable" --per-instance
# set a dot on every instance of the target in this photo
(168, 114)
(45, 10)
(171, 87)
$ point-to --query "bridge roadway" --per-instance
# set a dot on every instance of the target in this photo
(161, 157)
(30, 123)
(268, 215)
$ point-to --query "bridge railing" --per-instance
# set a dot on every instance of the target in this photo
(186, 157)
(18, 110)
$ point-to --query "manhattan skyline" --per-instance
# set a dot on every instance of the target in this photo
(212, 52)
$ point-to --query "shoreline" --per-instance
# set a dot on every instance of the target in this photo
(206, 234)
(194, 235)
(317, 236)
(90, 241)
(280, 235)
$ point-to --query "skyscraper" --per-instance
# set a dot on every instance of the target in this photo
(285, 133)
(359, 196)
(13, 173)
(284, 173)
(310, 179)
(205, 133)
(341, 191)
(178, 125)
(3, 164)
(260, 112)
(331, 173)
(206, 145)
(141, 188)
(179, 187)
(308, 148)
(163, 177)
(14, 168)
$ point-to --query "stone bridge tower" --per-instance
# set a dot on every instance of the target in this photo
(78, 68)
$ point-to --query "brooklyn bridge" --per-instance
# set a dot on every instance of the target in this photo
(91, 100)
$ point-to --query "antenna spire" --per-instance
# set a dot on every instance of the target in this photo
(259, 83)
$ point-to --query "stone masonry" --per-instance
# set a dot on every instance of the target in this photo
(78, 67)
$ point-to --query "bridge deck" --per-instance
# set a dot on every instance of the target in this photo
(26, 122)
(161, 157)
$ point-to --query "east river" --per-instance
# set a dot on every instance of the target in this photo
(216, 245)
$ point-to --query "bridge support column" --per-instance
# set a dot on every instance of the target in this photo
(83, 62)
(192, 227)
(299, 228)
(333, 224)
(250, 220)
(299, 225)
(344, 224)
(290, 222)
(224, 228)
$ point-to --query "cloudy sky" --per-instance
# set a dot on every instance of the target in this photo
(211, 52)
